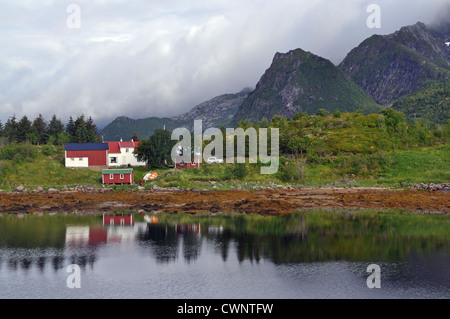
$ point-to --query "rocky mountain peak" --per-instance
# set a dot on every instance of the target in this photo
(390, 66)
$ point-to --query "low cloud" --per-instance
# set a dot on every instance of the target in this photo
(161, 58)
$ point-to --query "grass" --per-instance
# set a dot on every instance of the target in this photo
(393, 169)
(428, 165)
(44, 171)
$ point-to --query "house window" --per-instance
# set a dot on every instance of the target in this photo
(72, 159)
(127, 150)
(121, 176)
(111, 176)
(80, 159)
(113, 160)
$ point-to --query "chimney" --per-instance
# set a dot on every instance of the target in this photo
(121, 139)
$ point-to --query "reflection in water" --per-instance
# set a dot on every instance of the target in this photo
(411, 247)
(302, 237)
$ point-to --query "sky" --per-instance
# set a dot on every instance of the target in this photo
(143, 58)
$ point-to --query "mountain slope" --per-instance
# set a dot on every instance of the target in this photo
(389, 67)
(301, 81)
(430, 105)
(214, 113)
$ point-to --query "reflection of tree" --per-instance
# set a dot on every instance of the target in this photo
(163, 241)
(82, 260)
(41, 263)
(222, 243)
(12, 263)
(25, 263)
(191, 245)
(248, 247)
(57, 262)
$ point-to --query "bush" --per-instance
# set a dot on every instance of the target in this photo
(47, 150)
(240, 170)
(322, 112)
(17, 151)
(293, 172)
(337, 114)
(228, 173)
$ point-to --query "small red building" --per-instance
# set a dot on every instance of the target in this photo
(179, 164)
(118, 176)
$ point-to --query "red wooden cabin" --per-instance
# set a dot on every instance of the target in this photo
(118, 176)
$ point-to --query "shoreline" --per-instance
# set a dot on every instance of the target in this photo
(275, 201)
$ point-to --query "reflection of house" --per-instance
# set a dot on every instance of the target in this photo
(118, 176)
(118, 220)
(94, 235)
(122, 154)
(181, 228)
(84, 155)
(215, 230)
(85, 235)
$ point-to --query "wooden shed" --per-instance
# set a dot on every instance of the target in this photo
(118, 176)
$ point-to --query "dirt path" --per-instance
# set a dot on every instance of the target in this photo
(265, 202)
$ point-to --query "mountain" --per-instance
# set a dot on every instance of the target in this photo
(408, 70)
(391, 66)
(214, 113)
(301, 81)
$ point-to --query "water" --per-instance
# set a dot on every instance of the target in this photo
(303, 255)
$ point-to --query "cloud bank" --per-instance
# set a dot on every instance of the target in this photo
(161, 58)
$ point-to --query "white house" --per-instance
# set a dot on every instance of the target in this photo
(122, 154)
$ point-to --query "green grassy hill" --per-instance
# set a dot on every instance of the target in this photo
(430, 105)
(33, 166)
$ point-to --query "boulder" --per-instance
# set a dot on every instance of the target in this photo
(20, 189)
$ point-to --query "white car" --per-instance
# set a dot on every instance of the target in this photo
(214, 159)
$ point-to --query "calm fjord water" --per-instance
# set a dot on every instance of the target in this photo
(304, 255)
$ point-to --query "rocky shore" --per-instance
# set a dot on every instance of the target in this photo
(264, 201)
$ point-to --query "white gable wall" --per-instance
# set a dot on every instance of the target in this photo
(125, 158)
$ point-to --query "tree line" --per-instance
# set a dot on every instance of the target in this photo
(39, 131)
(318, 136)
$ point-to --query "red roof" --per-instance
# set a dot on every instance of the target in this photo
(114, 147)
(126, 144)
